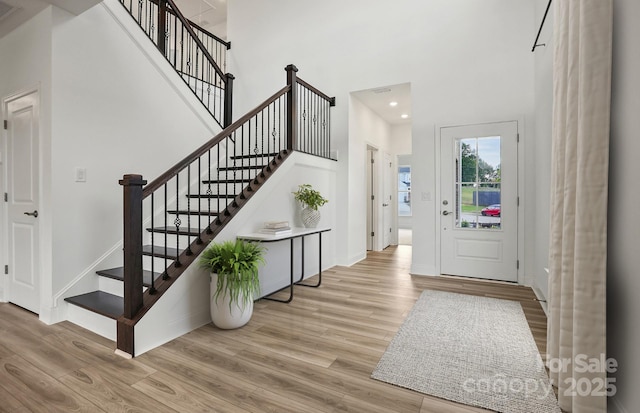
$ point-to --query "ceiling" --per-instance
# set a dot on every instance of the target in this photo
(15, 12)
(378, 100)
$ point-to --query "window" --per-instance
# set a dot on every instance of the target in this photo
(404, 190)
(478, 186)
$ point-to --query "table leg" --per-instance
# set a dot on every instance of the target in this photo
(291, 279)
(319, 264)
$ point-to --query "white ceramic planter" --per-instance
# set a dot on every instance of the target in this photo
(228, 317)
(310, 217)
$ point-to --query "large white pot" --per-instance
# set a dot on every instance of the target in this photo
(310, 217)
(228, 317)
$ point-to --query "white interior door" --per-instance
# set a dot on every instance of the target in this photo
(479, 201)
(387, 190)
(22, 163)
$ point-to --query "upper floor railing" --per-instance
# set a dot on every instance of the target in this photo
(197, 55)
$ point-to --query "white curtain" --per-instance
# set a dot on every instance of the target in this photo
(578, 244)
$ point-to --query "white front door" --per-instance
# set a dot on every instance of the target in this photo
(22, 162)
(387, 214)
(479, 201)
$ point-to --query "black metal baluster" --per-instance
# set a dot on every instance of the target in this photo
(209, 192)
(177, 222)
(199, 239)
(165, 275)
(152, 289)
(189, 252)
(269, 151)
(218, 183)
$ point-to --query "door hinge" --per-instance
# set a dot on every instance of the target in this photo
(518, 137)
(372, 234)
(372, 197)
(372, 161)
(517, 264)
(6, 124)
(6, 197)
(389, 229)
(6, 269)
(518, 201)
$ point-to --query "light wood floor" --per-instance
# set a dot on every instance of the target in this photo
(313, 355)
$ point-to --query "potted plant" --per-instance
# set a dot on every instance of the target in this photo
(234, 280)
(312, 200)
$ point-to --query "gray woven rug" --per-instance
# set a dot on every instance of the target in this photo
(473, 350)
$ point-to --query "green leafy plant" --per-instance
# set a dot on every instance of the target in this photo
(465, 224)
(309, 196)
(236, 263)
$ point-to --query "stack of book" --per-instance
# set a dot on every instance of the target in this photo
(276, 228)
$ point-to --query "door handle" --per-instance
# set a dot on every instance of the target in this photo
(33, 214)
(384, 205)
(446, 212)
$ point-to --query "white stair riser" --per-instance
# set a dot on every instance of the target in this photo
(99, 324)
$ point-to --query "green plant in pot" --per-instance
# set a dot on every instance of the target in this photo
(234, 280)
(312, 200)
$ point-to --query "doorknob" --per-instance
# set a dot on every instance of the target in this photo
(33, 214)
(446, 212)
(384, 205)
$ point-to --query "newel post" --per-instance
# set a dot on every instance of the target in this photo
(228, 99)
(292, 107)
(132, 237)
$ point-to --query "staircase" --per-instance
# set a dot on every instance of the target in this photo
(170, 221)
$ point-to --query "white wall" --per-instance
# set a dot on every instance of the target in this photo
(542, 176)
(623, 305)
(25, 63)
(466, 61)
(110, 104)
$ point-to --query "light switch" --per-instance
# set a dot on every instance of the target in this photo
(81, 174)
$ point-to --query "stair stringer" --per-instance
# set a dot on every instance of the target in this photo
(185, 306)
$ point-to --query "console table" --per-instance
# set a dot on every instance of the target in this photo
(295, 233)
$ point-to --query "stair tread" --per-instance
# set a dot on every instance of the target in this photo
(253, 156)
(118, 274)
(158, 251)
(192, 212)
(213, 196)
(173, 230)
(106, 304)
(240, 168)
(228, 181)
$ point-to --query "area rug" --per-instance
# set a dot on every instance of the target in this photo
(473, 350)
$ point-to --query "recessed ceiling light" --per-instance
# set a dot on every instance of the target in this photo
(404, 116)
(393, 104)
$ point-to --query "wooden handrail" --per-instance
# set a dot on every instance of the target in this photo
(162, 179)
(205, 31)
(331, 100)
(196, 39)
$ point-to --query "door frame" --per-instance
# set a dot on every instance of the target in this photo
(520, 125)
(4, 242)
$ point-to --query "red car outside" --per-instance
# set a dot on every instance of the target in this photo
(491, 211)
